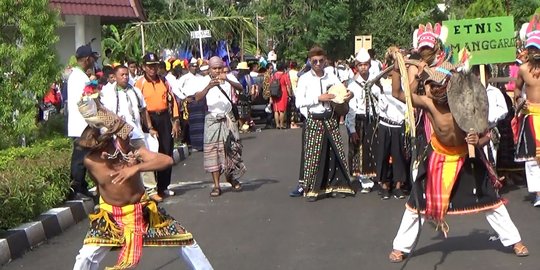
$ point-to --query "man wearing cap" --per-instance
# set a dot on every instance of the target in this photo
(528, 143)
(222, 146)
(323, 167)
(164, 115)
(361, 133)
(76, 82)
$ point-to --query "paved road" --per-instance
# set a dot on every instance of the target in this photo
(262, 228)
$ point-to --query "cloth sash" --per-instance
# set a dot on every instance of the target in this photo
(528, 135)
(127, 227)
(444, 165)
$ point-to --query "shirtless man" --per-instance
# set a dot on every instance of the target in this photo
(446, 151)
(126, 217)
(528, 147)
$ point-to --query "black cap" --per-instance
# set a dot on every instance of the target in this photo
(150, 58)
(84, 51)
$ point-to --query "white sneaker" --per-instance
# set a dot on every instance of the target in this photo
(537, 201)
(168, 192)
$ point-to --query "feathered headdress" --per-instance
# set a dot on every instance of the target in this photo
(428, 35)
(530, 32)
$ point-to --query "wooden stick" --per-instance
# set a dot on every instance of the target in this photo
(471, 147)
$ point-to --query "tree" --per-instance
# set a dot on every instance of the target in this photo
(485, 8)
(28, 64)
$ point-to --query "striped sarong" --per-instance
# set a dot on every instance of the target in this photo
(222, 147)
(528, 144)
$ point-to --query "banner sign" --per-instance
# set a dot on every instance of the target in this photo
(200, 34)
(488, 40)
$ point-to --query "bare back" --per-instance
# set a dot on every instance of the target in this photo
(102, 171)
(531, 80)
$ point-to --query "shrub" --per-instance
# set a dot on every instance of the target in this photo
(32, 180)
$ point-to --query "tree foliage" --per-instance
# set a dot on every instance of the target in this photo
(28, 64)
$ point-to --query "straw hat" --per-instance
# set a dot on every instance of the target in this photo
(242, 65)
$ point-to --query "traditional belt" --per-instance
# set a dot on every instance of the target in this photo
(321, 116)
(390, 122)
(159, 112)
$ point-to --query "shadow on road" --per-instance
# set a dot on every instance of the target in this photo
(476, 240)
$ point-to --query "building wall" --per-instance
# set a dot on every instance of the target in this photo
(67, 44)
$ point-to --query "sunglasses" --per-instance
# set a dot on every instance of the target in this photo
(317, 61)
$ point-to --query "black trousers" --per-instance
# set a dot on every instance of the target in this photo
(391, 143)
(162, 123)
(78, 171)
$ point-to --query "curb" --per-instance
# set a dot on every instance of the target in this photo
(17, 241)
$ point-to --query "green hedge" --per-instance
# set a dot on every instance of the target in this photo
(32, 180)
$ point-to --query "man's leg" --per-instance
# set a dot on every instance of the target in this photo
(532, 172)
(78, 171)
(194, 257)
(216, 191)
(166, 145)
(500, 221)
(408, 230)
(89, 257)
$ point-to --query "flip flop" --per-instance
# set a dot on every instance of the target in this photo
(521, 250)
(396, 256)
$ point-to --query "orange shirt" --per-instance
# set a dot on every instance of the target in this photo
(156, 95)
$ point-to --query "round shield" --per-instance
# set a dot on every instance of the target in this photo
(468, 102)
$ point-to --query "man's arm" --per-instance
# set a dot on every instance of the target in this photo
(519, 85)
(151, 161)
(417, 101)
(201, 94)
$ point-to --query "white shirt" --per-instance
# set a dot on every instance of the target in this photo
(217, 103)
(184, 83)
(309, 88)
(389, 107)
(496, 104)
(133, 79)
(344, 74)
(76, 82)
(357, 105)
(375, 68)
(126, 104)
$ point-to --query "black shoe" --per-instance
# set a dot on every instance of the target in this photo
(297, 192)
(398, 194)
(312, 199)
(80, 196)
(385, 194)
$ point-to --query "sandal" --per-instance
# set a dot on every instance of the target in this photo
(215, 192)
(236, 186)
(396, 256)
(520, 250)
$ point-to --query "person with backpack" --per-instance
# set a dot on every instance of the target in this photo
(280, 86)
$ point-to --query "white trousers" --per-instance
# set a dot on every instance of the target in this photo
(532, 172)
(498, 218)
(90, 256)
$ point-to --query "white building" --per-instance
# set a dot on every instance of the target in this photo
(82, 21)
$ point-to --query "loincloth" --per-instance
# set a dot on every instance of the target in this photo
(133, 226)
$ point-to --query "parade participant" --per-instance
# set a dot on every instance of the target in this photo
(391, 144)
(528, 139)
(246, 96)
(127, 102)
(294, 113)
(324, 166)
(446, 182)
(76, 82)
(222, 146)
(196, 110)
(164, 115)
(361, 154)
(133, 72)
(125, 216)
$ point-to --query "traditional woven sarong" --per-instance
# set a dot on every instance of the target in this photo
(222, 146)
(528, 145)
(197, 110)
(450, 183)
(133, 226)
(362, 155)
(324, 166)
